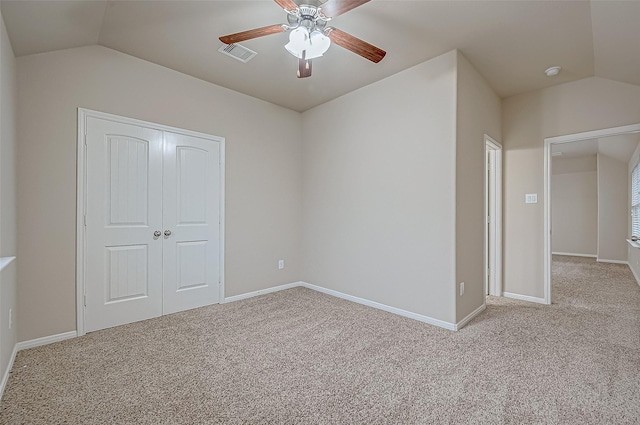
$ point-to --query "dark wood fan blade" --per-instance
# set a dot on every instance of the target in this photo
(304, 68)
(287, 4)
(254, 33)
(334, 8)
(357, 46)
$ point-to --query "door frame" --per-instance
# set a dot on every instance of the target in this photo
(493, 256)
(568, 138)
(81, 196)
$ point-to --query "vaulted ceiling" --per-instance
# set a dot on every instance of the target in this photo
(620, 147)
(511, 43)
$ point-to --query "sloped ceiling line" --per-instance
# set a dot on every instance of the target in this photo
(510, 43)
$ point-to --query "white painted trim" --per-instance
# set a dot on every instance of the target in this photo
(634, 244)
(470, 317)
(262, 292)
(221, 286)
(495, 288)
(594, 134)
(81, 197)
(45, 340)
(394, 310)
(524, 298)
(573, 254)
(5, 377)
(547, 223)
(604, 260)
(634, 274)
(379, 306)
(81, 206)
(634, 128)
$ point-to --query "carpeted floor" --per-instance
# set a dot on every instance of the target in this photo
(299, 356)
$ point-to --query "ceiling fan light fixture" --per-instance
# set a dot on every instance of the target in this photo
(319, 44)
(298, 41)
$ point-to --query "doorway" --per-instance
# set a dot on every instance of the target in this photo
(550, 145)
(493, 213)
(150, 220)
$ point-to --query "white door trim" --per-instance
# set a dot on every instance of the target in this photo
(606, 132)
(83, 114)
(494, 284)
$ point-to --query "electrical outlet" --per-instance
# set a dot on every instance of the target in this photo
(461, 288)
(10, 317)
(280, 264)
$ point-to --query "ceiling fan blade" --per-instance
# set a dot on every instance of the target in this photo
(357, 46)
(254, 33)
(334, 8)
(304, 68)
(287, 4)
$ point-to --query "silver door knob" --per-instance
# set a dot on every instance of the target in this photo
(157, 233)
(167, 233)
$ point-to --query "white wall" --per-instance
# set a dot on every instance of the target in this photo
(574, 206)
(8, 288)
(527, 119)
(478, 113)
(379, 191)
(263, 160)
(613, 195)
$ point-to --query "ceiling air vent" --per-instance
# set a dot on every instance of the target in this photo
(238, 52)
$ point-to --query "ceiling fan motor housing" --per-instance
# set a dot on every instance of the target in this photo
(307, 16)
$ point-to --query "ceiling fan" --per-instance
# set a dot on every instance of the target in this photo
(310, 36)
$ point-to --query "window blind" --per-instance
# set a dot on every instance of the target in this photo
(635, 201)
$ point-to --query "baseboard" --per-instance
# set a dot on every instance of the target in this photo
(573, 254)
(23, 345)
(262, 292)
(634, 274)
(601, 260)
(523, 298)
(467, 319)
(394, 310)
(5, 377)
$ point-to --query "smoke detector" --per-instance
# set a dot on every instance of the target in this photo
(553, 71)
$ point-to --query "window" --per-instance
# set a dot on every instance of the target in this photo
(635, 201)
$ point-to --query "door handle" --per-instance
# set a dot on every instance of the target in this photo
(167, 233)
(157, 233)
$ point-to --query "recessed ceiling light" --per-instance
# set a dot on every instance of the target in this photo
(553, 71)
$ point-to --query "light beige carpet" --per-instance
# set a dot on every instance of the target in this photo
(299, 356)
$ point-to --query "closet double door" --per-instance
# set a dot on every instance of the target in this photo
(152, 224)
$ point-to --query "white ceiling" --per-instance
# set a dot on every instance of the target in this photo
(510, 42)
(619, 147)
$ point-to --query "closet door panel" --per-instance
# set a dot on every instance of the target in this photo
(123, 275)
(191, 214)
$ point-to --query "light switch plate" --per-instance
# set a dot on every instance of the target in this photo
(531, 198)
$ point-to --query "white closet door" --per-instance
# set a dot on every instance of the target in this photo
(191, 222)
(123, 275)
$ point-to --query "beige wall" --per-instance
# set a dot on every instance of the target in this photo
(574, 206)
(8, 289)
(527, 119)
(581, 164)
(379, 191)
(613, 197)
(263, 160)
(478, 113)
